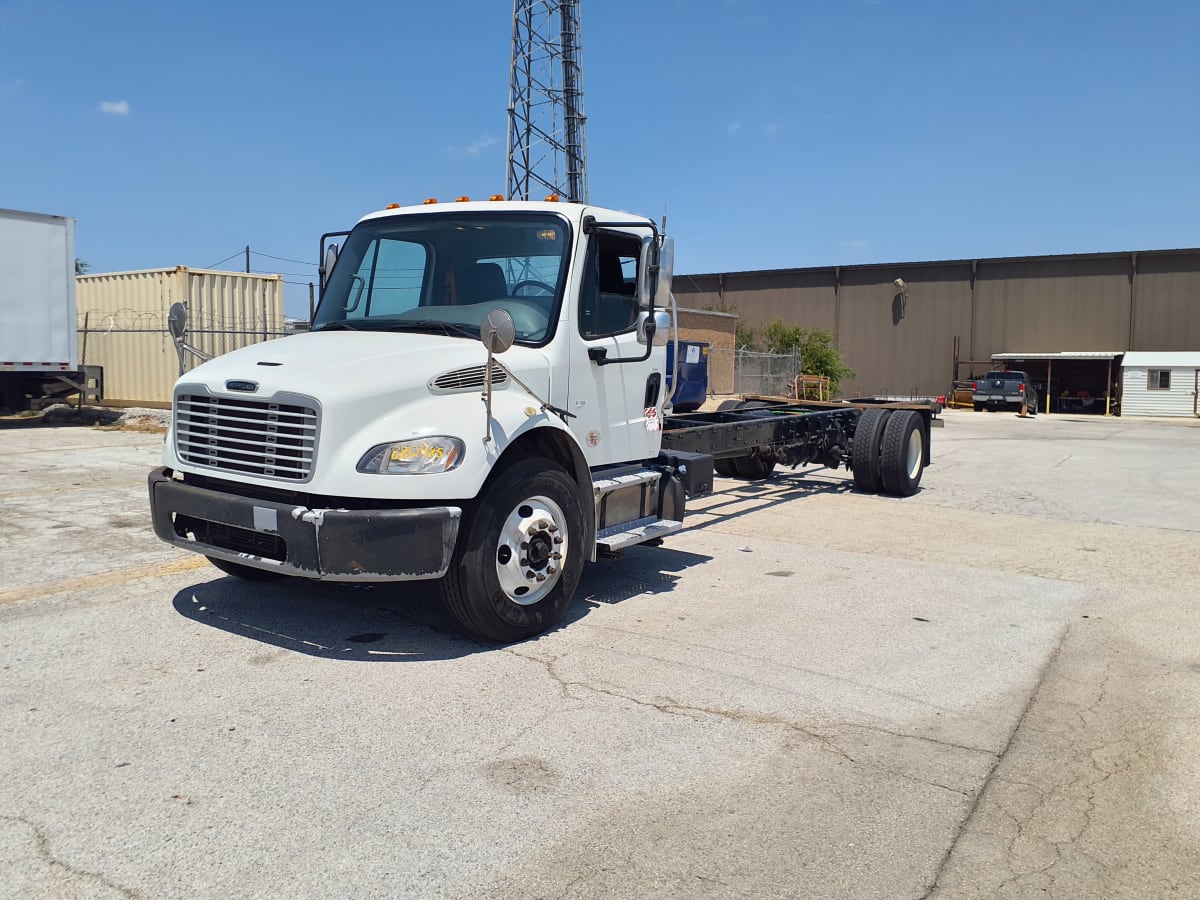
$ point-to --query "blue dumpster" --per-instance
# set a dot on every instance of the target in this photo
(693, 374)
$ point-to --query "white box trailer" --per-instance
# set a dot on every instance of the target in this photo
(39, 358)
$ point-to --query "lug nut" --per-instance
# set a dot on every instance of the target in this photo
(524, 562)
(556, 555)
(550, 570)
(531, 575)
(543, 525)
(557, 539)
(553, 528)
(524, 545)
(541, 577)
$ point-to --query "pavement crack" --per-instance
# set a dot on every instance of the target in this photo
(1047, 666)
(42, 844)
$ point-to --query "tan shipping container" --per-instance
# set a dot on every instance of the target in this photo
(123, 324)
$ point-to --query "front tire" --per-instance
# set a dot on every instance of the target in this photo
(519, 555)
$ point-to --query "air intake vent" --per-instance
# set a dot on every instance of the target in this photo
(258, 437)
(467, 379)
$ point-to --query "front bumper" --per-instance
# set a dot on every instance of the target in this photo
(327, 544)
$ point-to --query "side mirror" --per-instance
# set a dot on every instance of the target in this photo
(331, 255)
(662, 328)
(645, 286)
(498, 331)
(666, 271)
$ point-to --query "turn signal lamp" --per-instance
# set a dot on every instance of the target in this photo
(463, 199)
(552, 198)
(428, 200)
(496, 197)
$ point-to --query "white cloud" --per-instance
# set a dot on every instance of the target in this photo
(771, 129)
(856, 244)
(480, 144)
(11, 85)
(115, 107)
(735, 127)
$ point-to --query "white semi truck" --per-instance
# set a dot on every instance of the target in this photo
(481, 400)
(39, 358)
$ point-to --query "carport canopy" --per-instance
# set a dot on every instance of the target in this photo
(1068, 380)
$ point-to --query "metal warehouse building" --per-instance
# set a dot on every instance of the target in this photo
(1083, 310)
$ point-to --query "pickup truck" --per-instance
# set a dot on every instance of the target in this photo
(1001, 389)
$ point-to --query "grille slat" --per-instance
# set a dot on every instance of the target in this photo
(259, 437)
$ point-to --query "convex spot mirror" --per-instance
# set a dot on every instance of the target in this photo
(662, 327)
(498, 331)
(177, 318)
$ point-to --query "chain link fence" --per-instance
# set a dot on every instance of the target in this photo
(769, 374)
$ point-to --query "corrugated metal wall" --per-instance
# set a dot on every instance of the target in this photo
(1036, 304)
(123, 324)
(1138, 400)
(1167, 302)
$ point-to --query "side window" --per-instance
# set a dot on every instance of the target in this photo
(608, 298)
(389, 279)
(1158, 379)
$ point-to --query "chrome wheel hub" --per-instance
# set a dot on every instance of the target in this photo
(530, 552)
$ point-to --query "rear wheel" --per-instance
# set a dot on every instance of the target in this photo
(724, 466)
(903, 454)
(755, 465)
(519, 556)
(865, 449)
(978, 407)
(244, 572)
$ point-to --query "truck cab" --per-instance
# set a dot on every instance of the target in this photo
(479, 400)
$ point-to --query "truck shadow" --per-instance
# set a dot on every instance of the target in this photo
(397, 622)
(731, 499)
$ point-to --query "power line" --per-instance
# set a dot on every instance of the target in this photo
(225, 260)
(303, 262)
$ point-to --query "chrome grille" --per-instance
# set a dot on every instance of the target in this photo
(258, 437)
(467, 379)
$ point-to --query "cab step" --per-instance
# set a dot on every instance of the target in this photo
(638, 532)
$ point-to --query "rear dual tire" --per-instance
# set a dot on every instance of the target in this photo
(888, 452)
(755, 465)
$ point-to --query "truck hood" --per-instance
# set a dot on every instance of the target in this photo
(351, 365)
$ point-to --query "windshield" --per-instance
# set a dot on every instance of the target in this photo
(445, 272)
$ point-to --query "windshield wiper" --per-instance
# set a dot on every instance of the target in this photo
(448, 328)
(337, 325)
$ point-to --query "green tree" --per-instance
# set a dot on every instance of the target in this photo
(818, 355)
(744, 337)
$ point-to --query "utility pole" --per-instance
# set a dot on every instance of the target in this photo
(547, 134)
(247, 259)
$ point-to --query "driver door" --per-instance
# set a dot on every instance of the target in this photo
(610, 401)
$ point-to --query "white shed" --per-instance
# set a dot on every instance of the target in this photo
(1160, 383)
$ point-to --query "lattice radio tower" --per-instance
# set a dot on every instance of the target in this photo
(547, 143)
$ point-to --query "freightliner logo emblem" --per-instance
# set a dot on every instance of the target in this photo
(247, 386)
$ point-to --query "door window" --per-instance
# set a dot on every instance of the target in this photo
(608, 299)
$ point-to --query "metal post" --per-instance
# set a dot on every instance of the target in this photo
(247, 259)
(1049, 372)
(312, 308)
(1108, 390)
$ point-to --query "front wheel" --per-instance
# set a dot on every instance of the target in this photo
(519, 556)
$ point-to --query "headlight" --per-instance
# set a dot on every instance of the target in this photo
(420, 456)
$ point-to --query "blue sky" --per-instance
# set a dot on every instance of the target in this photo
(774, 134)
